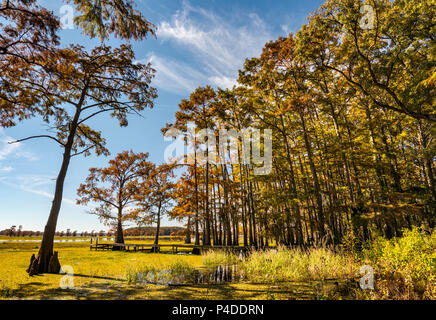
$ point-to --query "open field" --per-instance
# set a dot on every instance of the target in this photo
(102, 275)
(404, 268)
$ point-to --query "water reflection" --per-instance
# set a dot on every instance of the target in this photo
(217, 275)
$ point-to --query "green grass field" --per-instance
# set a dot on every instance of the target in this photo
(404, 268)
(102, 275)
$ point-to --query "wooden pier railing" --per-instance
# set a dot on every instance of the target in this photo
(173, 248)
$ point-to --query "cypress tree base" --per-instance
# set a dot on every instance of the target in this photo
(39, 266)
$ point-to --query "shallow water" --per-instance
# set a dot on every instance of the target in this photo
(217, 275)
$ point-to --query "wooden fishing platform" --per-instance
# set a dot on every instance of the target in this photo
(172, 248)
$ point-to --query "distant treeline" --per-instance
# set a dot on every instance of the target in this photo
(13, 232)
(144, 231)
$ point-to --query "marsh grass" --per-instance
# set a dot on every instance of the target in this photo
(404, 267)
(219, 258)
(295, 265)
(284, 264)
(175, 272)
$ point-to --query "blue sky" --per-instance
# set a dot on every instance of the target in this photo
(198, 42)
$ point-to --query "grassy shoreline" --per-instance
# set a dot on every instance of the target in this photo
(404, 269)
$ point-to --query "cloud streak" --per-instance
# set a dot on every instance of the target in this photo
(14, 150)
(6, 169)
(7, 149)
(218, 46)
(34, 184)
(174, 76)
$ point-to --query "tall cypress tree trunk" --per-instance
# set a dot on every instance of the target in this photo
(428, 162)
(197, 231)
(377, 158)
(316, 185)
(253, 215)
(119, 238)
(206, 235)
(214, 217)
(243, 201)
(156, 238)
(41, 264)
(292, 186)
(188, 231)
(244, 222)
(45, 254)
(392, 161)
(429, 167)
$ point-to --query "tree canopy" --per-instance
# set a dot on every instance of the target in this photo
(352, 112)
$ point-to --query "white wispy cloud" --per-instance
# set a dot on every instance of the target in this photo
(14, 150)
(293, 21)
(6, 169)
(223, 81)
(174, 76)
(219, 45)
(285, 28)
(7, 149)
(34, 184)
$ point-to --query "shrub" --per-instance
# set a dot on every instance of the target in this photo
(404, 267)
